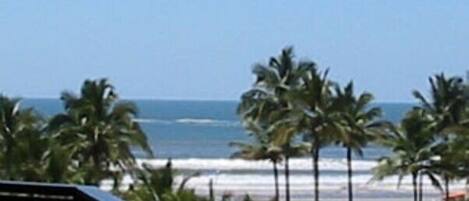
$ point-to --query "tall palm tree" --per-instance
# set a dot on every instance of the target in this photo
(255, 110)
(273, 130)
(360, 125)
(14, 123)
(412, 151)
(274, 83)
(318, 116)
(101, 129)
(446, 105)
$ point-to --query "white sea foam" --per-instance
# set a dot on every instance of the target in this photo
(202, 121)
(239, 164)
(257, 179)
(224, 172)
(198, 121)
(149, 121)
(301, 185)
(300, 181)
(193, 121)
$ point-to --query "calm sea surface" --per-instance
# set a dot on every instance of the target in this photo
(200, 129)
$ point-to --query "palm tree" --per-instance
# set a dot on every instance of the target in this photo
(284, 133)
(158, 185)
(28, 156)
(260, 149)
(59, 164)
(455, 164)
(447, 100)
(273, 130)
(360, 125)
(31, 153)
(15, 122)
(446, 105)
(412, 151)
(318, 116)
(255, 110)
(101, 129)
(272, 88)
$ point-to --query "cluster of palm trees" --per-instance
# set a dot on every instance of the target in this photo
(431, 140)
(92, 140)
(294, 110)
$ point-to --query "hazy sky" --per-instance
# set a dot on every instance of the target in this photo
(205, 49)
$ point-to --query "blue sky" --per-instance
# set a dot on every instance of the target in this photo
(205, 49)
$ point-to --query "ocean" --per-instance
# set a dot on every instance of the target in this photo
(203, 129)
(196, 134)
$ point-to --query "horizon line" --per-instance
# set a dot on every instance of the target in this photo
(195, 99)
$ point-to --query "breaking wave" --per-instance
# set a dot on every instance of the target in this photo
(192, 121)
(256, 182)
(239, 164)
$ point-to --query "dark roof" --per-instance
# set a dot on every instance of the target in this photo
(18, 190)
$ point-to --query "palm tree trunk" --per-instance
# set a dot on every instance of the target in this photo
(9, 157)
(349, 170)
(116, 182)
(276, 181)
(315, 160)
(421, 187)
(446, 187)
(8, 163)
(210, 190)
(96, 162)
(414, 184)
(287, 179)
